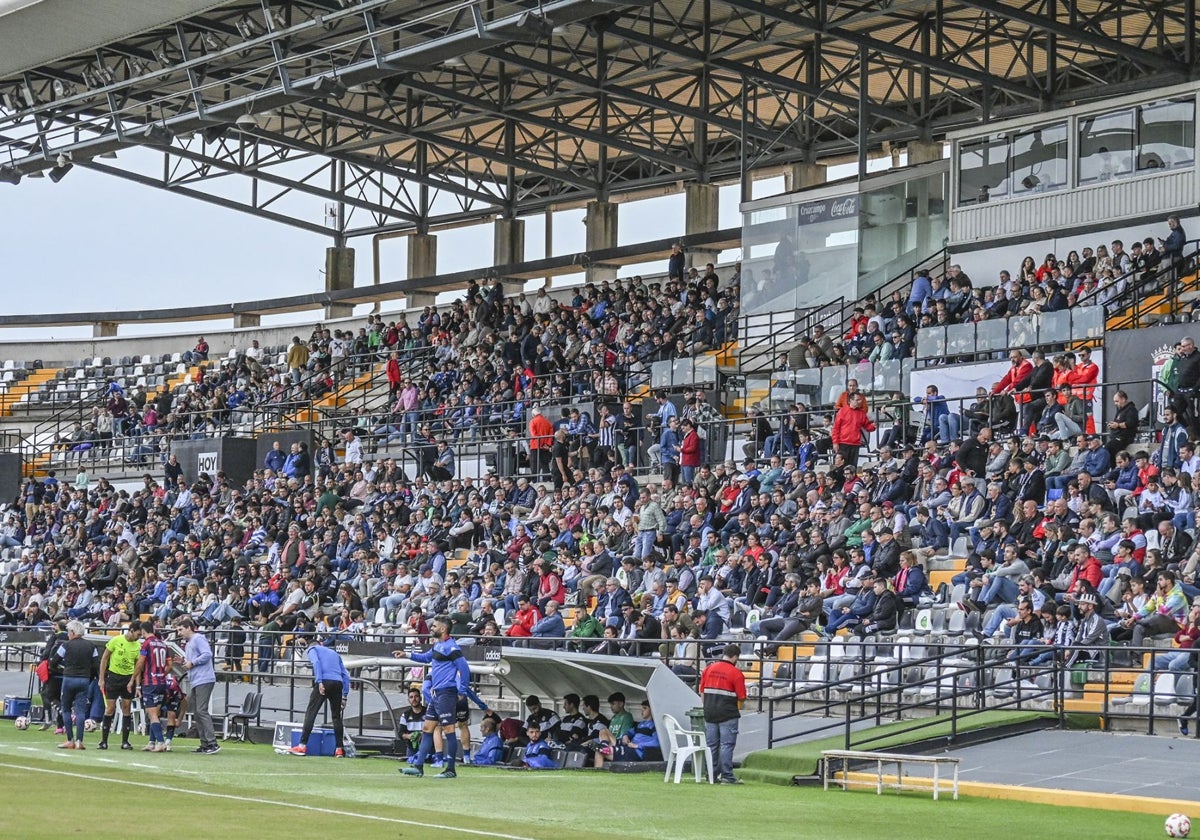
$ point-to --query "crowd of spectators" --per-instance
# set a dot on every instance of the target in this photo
(797, 536)
(881, 330)
(474, 368)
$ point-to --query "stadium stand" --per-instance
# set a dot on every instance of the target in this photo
(990, 524)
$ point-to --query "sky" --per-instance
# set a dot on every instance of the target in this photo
(94, 242)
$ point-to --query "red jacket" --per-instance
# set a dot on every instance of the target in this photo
(1015, 378)
(523, 621)
(393, 372)
(1089, 571)
(690, 450)
(849, 425)
(541, 432)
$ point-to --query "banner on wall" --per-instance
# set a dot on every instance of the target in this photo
(1159, 396)
(958, 382)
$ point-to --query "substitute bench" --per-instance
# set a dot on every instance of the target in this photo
(829, 757)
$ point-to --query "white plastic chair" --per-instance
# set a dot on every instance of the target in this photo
(683, 744)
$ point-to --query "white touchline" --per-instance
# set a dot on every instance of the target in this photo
(259, 801)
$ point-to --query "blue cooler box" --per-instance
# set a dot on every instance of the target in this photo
(320, 742)
(16, 706)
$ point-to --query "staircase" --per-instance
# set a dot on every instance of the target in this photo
(19, 392)
(1150, 303)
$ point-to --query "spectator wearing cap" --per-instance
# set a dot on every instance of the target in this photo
(1091, 631)
(857, 611)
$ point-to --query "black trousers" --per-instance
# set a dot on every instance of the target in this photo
(332, 696)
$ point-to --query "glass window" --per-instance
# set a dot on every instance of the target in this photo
(1166, 135)
(1054, 327)
(1106, 144)
(983, 170)
(1039, 160)
(931, 342)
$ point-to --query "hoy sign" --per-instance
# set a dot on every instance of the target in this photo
(206, 462)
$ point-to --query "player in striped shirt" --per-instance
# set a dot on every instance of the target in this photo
(154, 663)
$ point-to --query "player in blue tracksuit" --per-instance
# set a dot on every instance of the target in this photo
(537, 752)
(449, 676)
(491, 748)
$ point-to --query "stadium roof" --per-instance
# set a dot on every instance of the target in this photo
(349, 117)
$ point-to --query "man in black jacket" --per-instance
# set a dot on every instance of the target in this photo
(885, 614)
(972, 455)
(1122, 429)
(1041, 379)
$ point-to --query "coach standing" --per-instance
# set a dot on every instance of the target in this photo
(198, 661)
(723, 689)
(331, 684)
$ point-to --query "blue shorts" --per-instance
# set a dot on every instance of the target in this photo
(170, 703)
(462, 710)
(153, 696)
(444, 707)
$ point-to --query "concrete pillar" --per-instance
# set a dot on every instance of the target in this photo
(601, 224)
(419, 300)
(246, 319)
(924, 151)
(422, 262)
(104, 329)
(509, 245)
(339, 275)
(422, 255)
(800, 176)
(701, 215)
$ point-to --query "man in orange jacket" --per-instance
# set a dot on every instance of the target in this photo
(541, 438)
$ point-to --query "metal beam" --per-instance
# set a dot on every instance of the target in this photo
(484, 107)
(228, 204)
(1077, 34)
(954, 70)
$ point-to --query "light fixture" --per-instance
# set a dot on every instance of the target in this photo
(60, 172)
(163, 58)
(10, 175)
(107, 155)
(158, 135)
(329, 86)
(560, 30)
(454, 61)
(214, 133)
(64, 159)
(136, 67)
(247, 27)
(247, 122)
(1030, 181)
(210, 41)
(63, 89)
(105, 75)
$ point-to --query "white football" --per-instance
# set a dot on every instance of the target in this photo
(1178, 825)
(22, 722)
(89, 725)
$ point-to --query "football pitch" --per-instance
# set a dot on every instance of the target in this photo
(249, 791)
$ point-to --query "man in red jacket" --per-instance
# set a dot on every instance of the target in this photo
(541, 439)
(691, 451)
(723, 690)
(1016, 378)
(849, 425)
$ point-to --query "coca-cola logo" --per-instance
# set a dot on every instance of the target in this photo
(828, 210)
(844, 207)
